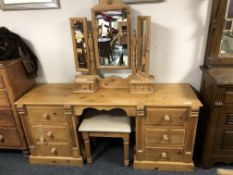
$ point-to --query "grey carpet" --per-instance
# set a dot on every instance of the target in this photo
(107, 160)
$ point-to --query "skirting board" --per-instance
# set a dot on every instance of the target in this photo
(166, 166)
(70, 161)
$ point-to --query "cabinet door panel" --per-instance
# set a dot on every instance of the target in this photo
(227, 140)
(224, 132)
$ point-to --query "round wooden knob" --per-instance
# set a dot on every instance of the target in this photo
(49, 134)
(42, 140)
(46, 115)
(165, 137)
(53, 151)
(167, 118)
(164, 155)
(1, 138)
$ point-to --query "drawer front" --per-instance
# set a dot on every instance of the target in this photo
(51, 133)
(228, 98)
(6, 117)
(2, 85)
(61, 149)
(164, 137)
(157, 154)
(167, 116)
(4, 98)
(9, 137)
(46, 115)
(227, 140)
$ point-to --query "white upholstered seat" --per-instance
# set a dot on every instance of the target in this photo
(106, 123)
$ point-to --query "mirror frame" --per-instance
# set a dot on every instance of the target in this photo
(54, 4)
(139, 56)
(104, 5)
(82, 20)
(216, 28)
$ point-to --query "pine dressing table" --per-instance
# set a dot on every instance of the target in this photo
(165, 115)
(165, 123)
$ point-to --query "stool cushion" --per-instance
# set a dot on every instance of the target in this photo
(106, 123)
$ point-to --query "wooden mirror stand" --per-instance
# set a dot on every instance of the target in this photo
(108, 45)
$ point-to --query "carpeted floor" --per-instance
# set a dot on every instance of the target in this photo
(107, 160)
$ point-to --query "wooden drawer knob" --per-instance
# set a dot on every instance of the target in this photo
(164, 155)
(165, 137)
(42, 140)
(1, 138)
(49, 134)
(46, 115)
(53, 150)
(167, 118)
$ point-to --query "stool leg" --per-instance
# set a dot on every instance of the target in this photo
(126, 149)
(87, 146)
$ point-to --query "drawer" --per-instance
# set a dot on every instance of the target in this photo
(51, 133)
(46, 115)
(167, 116)
(2, 85)
(61, 149)
(164, 137)
(227, 140)
(167, 154)
(9, 137)
(228, 97)
(4, 98)
(6, 117)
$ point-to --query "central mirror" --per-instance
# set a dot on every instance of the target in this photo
(111, 28)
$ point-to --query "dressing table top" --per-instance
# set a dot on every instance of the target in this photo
(62, 94)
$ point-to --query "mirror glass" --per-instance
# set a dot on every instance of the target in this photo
(81, 44)
(142, 46)
(112, 38)
(226, 49)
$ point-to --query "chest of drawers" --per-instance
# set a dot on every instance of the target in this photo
(13, 83)
(217, 117)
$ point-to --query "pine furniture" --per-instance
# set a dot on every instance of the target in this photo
(165, 123)
(165, 116)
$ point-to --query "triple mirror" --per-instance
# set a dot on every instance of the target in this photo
(111, 36)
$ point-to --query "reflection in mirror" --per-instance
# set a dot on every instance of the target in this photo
(226, 49)
(143, 35)
(79, 35)
(112, 38)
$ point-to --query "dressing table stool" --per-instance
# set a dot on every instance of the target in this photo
(106, 126)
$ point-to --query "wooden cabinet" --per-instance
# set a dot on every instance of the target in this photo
(217, 87)
(218, 144)
(165, 131)
(13, 84)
